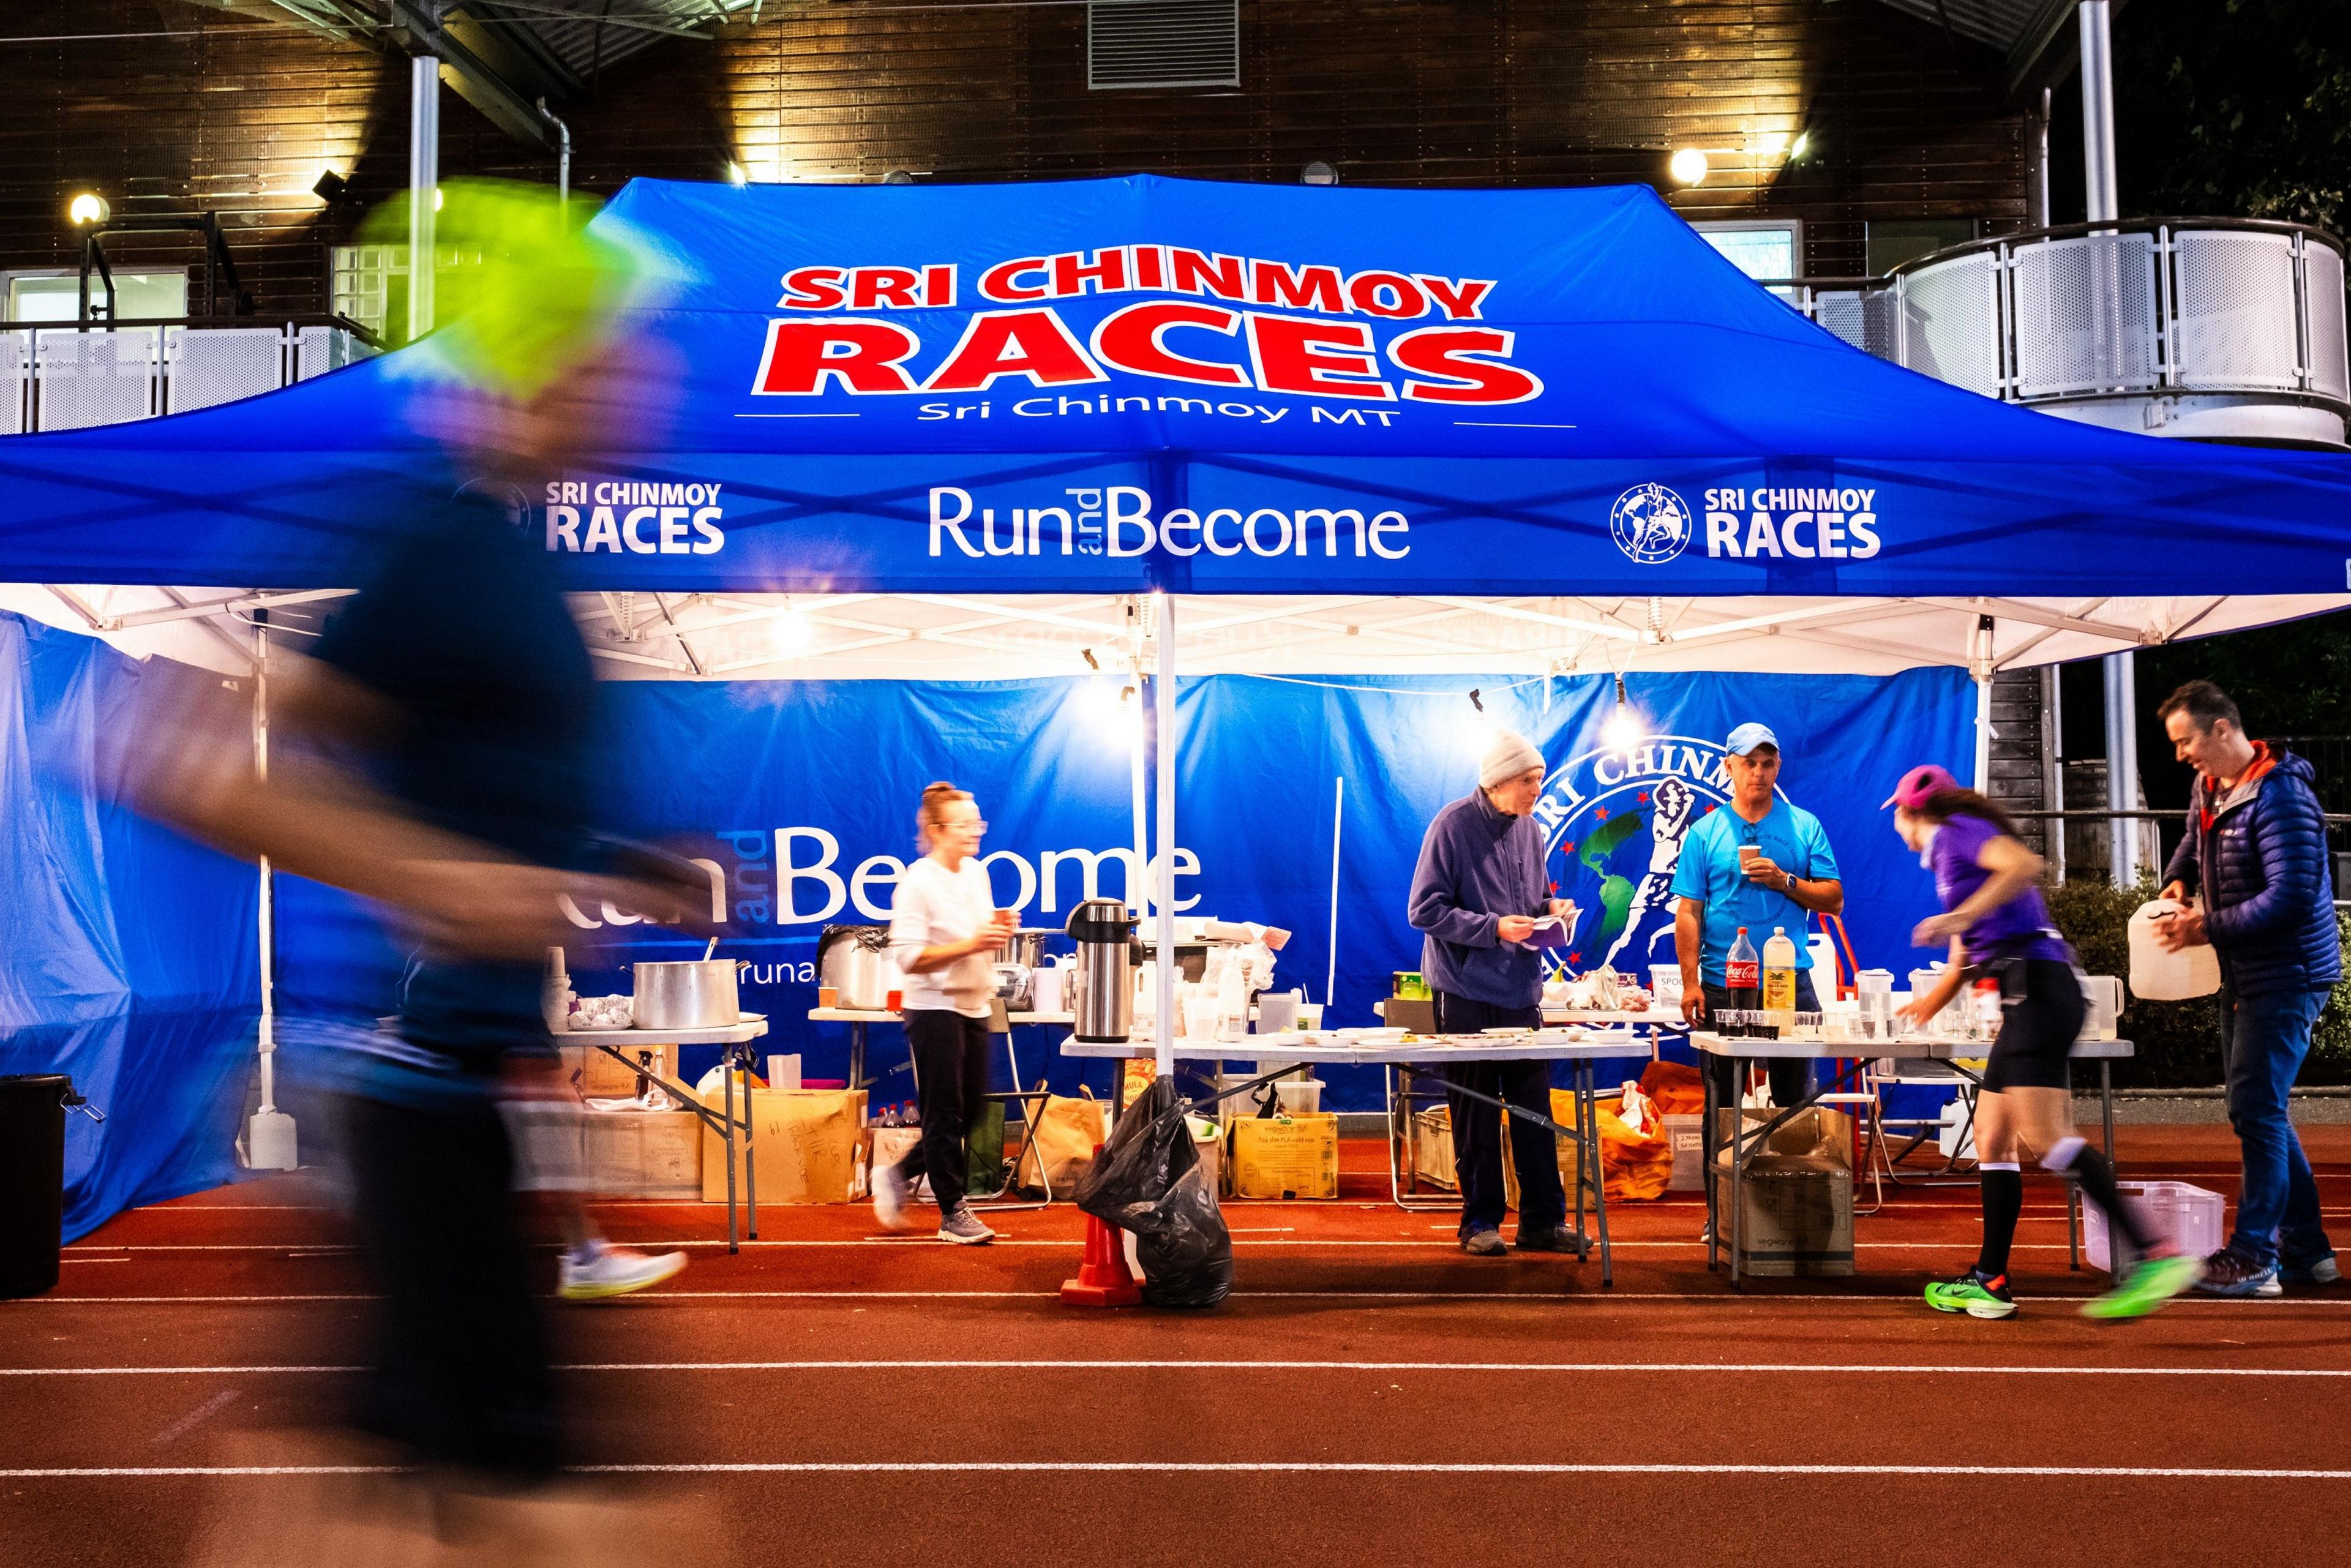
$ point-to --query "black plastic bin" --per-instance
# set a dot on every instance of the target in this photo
(32, 1180)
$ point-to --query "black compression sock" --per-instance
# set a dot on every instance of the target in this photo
(2097, 1179)
(2003, 1200)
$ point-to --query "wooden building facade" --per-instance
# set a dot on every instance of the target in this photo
(168, 105)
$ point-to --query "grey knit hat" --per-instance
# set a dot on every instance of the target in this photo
(1508, 755)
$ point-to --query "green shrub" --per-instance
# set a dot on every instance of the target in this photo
(2178, 1042)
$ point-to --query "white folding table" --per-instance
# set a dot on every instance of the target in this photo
(1342, 1048)
(734, 1041)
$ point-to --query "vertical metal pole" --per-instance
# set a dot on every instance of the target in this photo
(2098, 112)
(1166, 729)
(265, 936)
(1138, 769)
(2040, 218)
(1338, 815)
(2122, 764)
(423, 179)
(1983, 733)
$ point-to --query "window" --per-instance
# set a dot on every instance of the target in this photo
(56, 296)
(1891, 245)
(1768, 252)
(368, 284)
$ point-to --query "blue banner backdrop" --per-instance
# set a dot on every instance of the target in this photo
(803, 794)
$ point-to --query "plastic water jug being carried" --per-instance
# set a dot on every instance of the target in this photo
(2157, 976)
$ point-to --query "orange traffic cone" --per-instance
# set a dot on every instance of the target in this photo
(1104, 1278)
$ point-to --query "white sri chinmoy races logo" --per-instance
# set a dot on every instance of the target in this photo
(1613, 822)
(1651, 524)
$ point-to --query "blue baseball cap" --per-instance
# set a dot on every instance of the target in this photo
(1747, 736)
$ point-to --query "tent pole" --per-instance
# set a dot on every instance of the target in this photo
(2098, 112)
(1166, 726)
(2122, 766)
(424, 178)
(1984, 733)
(269, 1135)
(1338, 811)
(1138, 767)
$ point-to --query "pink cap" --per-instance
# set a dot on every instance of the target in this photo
(1919, 786)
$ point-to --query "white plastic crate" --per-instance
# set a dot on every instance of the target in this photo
(2192, 1219)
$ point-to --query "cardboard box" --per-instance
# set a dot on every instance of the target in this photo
(1417, 1014)
(644, 1153)
(593, 1074)
(1795, 1214)
(806, 1145)
(1689, 1136)
(1277, 1157)
(561, 1145)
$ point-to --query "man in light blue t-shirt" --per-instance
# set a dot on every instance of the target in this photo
(1760, 862)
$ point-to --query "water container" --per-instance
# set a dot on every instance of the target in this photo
(1779, 977)
(2104, 993)
(2157, 976)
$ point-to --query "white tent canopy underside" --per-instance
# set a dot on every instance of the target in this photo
(898, 636)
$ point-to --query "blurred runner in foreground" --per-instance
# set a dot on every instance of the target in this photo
(434, 757)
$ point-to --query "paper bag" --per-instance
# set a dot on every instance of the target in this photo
(1061, 1142)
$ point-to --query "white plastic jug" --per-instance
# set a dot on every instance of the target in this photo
(2157, 976)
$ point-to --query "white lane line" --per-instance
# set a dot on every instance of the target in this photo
(1036, 1364)
(1906, 1299)
(1245, 1467)
(1069, 1244)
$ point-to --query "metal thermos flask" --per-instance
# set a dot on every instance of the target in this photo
(1103, 998)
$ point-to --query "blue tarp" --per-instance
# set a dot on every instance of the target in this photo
(1111, 385)
(808, 826)
(130, 959)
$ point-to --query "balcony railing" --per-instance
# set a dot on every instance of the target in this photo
(2215, 328)
(61, 376)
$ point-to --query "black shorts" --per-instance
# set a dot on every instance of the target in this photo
(2040, 1021)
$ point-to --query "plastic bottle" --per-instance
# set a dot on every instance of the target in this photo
(913, 1115)
(1984, 1010)
(1743, 976)
(889, 1116)
(1232, 1002)
(1779, 978)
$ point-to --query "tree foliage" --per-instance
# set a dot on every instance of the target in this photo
(2235, 109)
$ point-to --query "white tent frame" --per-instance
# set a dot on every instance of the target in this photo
(980, 636)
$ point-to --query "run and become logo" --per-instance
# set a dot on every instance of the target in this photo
(1613, 822)
(1651, 524)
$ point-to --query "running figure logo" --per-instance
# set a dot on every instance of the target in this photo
(1615, 818)
(1650, 524)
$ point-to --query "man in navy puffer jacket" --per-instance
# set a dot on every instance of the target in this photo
(2255, 855)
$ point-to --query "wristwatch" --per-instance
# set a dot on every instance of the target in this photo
(1787, 883)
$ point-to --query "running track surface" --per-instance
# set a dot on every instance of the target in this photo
(1368, 1395)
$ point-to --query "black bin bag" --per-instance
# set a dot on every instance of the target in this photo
(1149, 1180)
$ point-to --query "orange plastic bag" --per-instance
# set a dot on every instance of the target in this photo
(1637, 1165)
(1676, 1088)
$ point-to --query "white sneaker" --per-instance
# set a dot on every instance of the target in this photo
(965, 1227)
(611, 1271)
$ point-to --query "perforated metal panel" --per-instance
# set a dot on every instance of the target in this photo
(2237, 327)
(94, 378)
(317, 349)
(1864, 318)
(206, 367)
(1163, 43)
(2321, 280)
(1950, 326)
(15, 382)
(2085, 316)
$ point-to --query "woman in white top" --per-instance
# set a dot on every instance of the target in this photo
(944, 924)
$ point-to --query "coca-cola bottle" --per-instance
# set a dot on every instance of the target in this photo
(1742, 975)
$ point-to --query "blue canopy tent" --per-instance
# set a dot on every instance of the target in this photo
(1538, 432)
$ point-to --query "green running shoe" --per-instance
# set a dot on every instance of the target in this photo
(2151, 1282)
(1972, 1294)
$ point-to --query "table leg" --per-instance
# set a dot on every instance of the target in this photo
(857, 1056)
(1738, 1138)
(2106, 1105)
(1706, 1148)
(750, 1154)
(726, 1073)
(1600, 1188)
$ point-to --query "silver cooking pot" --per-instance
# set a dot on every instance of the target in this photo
(696, 994)
(1025, 947)
(855, 960)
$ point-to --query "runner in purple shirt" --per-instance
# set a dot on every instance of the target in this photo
(1999, 928)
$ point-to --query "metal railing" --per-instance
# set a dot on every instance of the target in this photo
(65, 376)
(2221, 327)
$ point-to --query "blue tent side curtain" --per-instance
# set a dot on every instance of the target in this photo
(1112, 386)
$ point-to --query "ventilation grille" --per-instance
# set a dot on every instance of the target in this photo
(1163, 43)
